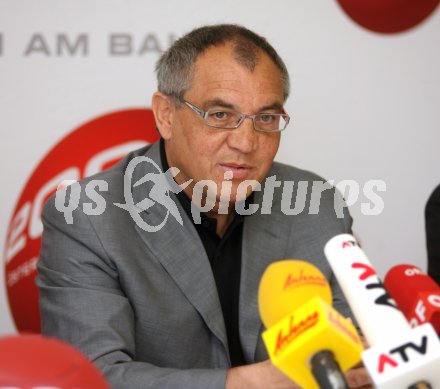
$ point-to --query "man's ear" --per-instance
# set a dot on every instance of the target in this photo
(163, 110)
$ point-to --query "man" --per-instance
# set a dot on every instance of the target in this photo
(177, 307)
(432, 226)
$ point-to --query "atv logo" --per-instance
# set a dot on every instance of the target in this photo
(402, 354)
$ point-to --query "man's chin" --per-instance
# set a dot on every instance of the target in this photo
(237, 197)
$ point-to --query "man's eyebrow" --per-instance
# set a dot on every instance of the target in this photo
(221, 103)
(277, 106)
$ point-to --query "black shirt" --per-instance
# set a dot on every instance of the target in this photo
(224, 254)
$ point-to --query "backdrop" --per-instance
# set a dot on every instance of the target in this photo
(76, 79)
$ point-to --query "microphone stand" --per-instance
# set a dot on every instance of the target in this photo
(327, 372)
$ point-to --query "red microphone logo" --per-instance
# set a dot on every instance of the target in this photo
(419, 299)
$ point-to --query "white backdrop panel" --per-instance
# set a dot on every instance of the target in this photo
(364, 105)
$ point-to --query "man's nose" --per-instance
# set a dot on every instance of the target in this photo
(245, 137)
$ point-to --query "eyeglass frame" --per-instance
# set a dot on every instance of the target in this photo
(204, 115)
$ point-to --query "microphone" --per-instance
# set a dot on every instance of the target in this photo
(399, 357)
(34, 361)
(306, 338)
(417, 295)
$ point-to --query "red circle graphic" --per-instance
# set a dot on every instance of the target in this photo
(388, 16)
(92, 147)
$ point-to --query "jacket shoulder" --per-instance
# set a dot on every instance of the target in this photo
(289, 172)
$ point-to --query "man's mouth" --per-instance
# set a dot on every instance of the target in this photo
(238, 170)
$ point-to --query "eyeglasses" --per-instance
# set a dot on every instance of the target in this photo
(229, 119)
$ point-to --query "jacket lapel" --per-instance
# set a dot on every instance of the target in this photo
(264, 241)
(180, 251)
